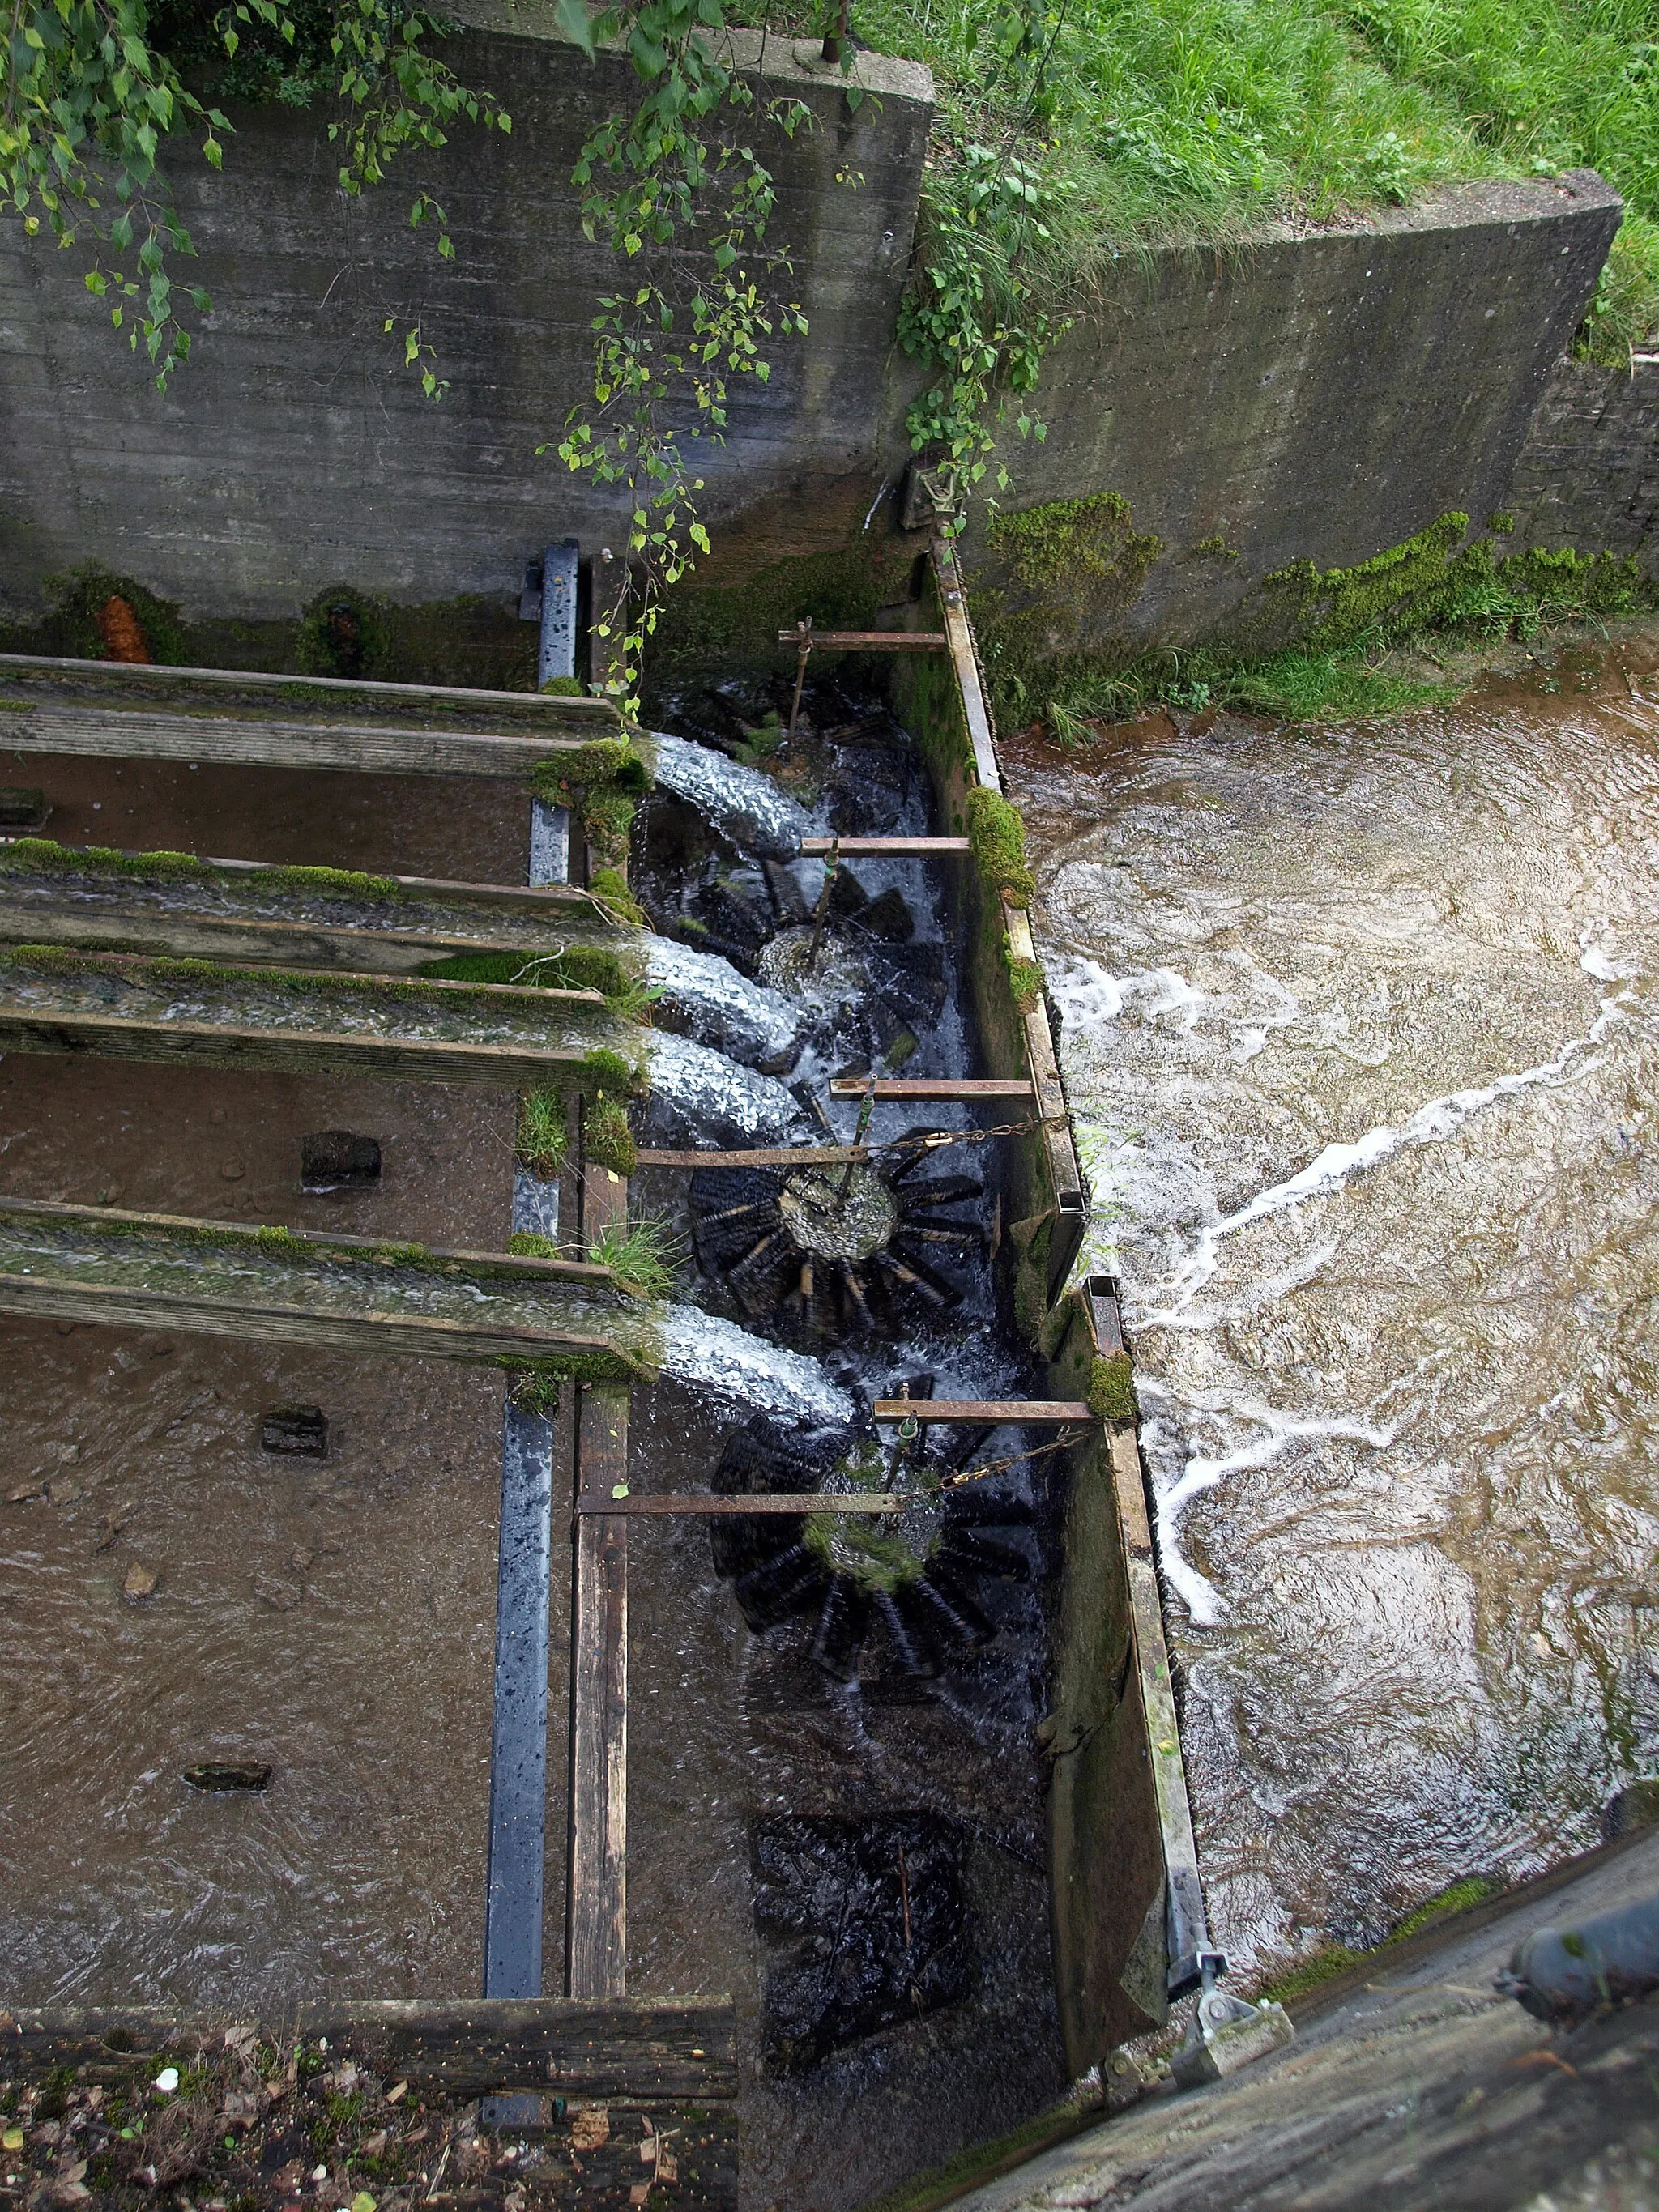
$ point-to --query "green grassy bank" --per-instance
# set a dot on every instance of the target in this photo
(1148, 121)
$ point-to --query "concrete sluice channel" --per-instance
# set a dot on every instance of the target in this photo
(836, 1789)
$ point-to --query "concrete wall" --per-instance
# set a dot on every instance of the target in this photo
(1320, 396)
(295, 450)
(1589, 473)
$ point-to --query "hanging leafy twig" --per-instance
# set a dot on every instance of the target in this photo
(675, 189)
(90, 94)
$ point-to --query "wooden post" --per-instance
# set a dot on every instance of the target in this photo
(596, 1964)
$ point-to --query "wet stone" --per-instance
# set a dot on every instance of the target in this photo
(868, 1925)
(300, 1431)
(889, 917)
(23, 807)
(334, 1160)
(215, 1779)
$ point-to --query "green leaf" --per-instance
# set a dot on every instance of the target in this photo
(577, 25)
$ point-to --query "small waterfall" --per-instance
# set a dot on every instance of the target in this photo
(725, 1009)
(746, 805)
(714, 1099)
(717, 1356)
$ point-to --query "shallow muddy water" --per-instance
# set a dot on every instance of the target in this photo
(336, 1619)
(1361, 1028)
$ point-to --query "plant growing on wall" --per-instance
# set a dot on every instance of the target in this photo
(91, 92)
(678, 192)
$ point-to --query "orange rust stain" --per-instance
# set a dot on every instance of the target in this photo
(117, 626)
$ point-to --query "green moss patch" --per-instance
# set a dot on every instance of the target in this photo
(1331, 1960)
(607, 1140)
(45, 856)
(1112, 1390)
(998, 837)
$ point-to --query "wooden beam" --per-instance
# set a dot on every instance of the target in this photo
(997, 1087)
(597, 1916)
(771, 1501)
(867, 640)
(109, 711)
(179, 933)
(643, 2047)
(852, 849)
(229, 913)
(989, 1413)
(196, 1228)
(97, 1266)
(964, 658)
(557, 903)
(118, 1006)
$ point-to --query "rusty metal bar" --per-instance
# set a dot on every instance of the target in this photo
(854, 848)
(988, 1413)
(869, 641)
(993, 1086)
(777, 1501)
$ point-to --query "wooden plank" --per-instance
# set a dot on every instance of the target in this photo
(124, 1272)
(996, 1086)
(596, 1932)
(1060, 1151)
(56, 673)
(289, 1051)
(649, 2048)
(851, 848)
(771, 1501)
(867, 640)
(964, 658)
(321, 1242)
(1044, 1412)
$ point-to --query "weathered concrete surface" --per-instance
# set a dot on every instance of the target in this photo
(1589, 473)
(295, 450)
(1411, 2083)
(1318, 396)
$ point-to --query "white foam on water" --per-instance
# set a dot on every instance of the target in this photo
(739, 800)
(713, 1097)
(717, 1356)
(726, 1009)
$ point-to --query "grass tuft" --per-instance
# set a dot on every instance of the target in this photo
(645, 1255)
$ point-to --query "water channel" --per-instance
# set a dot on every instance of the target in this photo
(799, 1793)
(1360, 1026)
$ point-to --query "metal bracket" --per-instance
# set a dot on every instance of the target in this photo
(930, 497)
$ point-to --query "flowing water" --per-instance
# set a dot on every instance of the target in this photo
(1360, 1026)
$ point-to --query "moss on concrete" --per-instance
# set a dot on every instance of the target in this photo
(607, 1140)
(735, 626)
(1112, 1390)
(1331, 1960)
(1025, 979)
(45, 856)
(998, 837)
(609, 887)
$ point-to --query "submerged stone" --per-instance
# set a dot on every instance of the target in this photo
(215, 1778)
(871, 1926)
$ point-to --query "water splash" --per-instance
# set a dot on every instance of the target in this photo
(746, 805)
(717, 1356)
(724, 1008)
(713, 1099)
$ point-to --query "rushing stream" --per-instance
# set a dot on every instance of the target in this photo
(1360, 1026)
